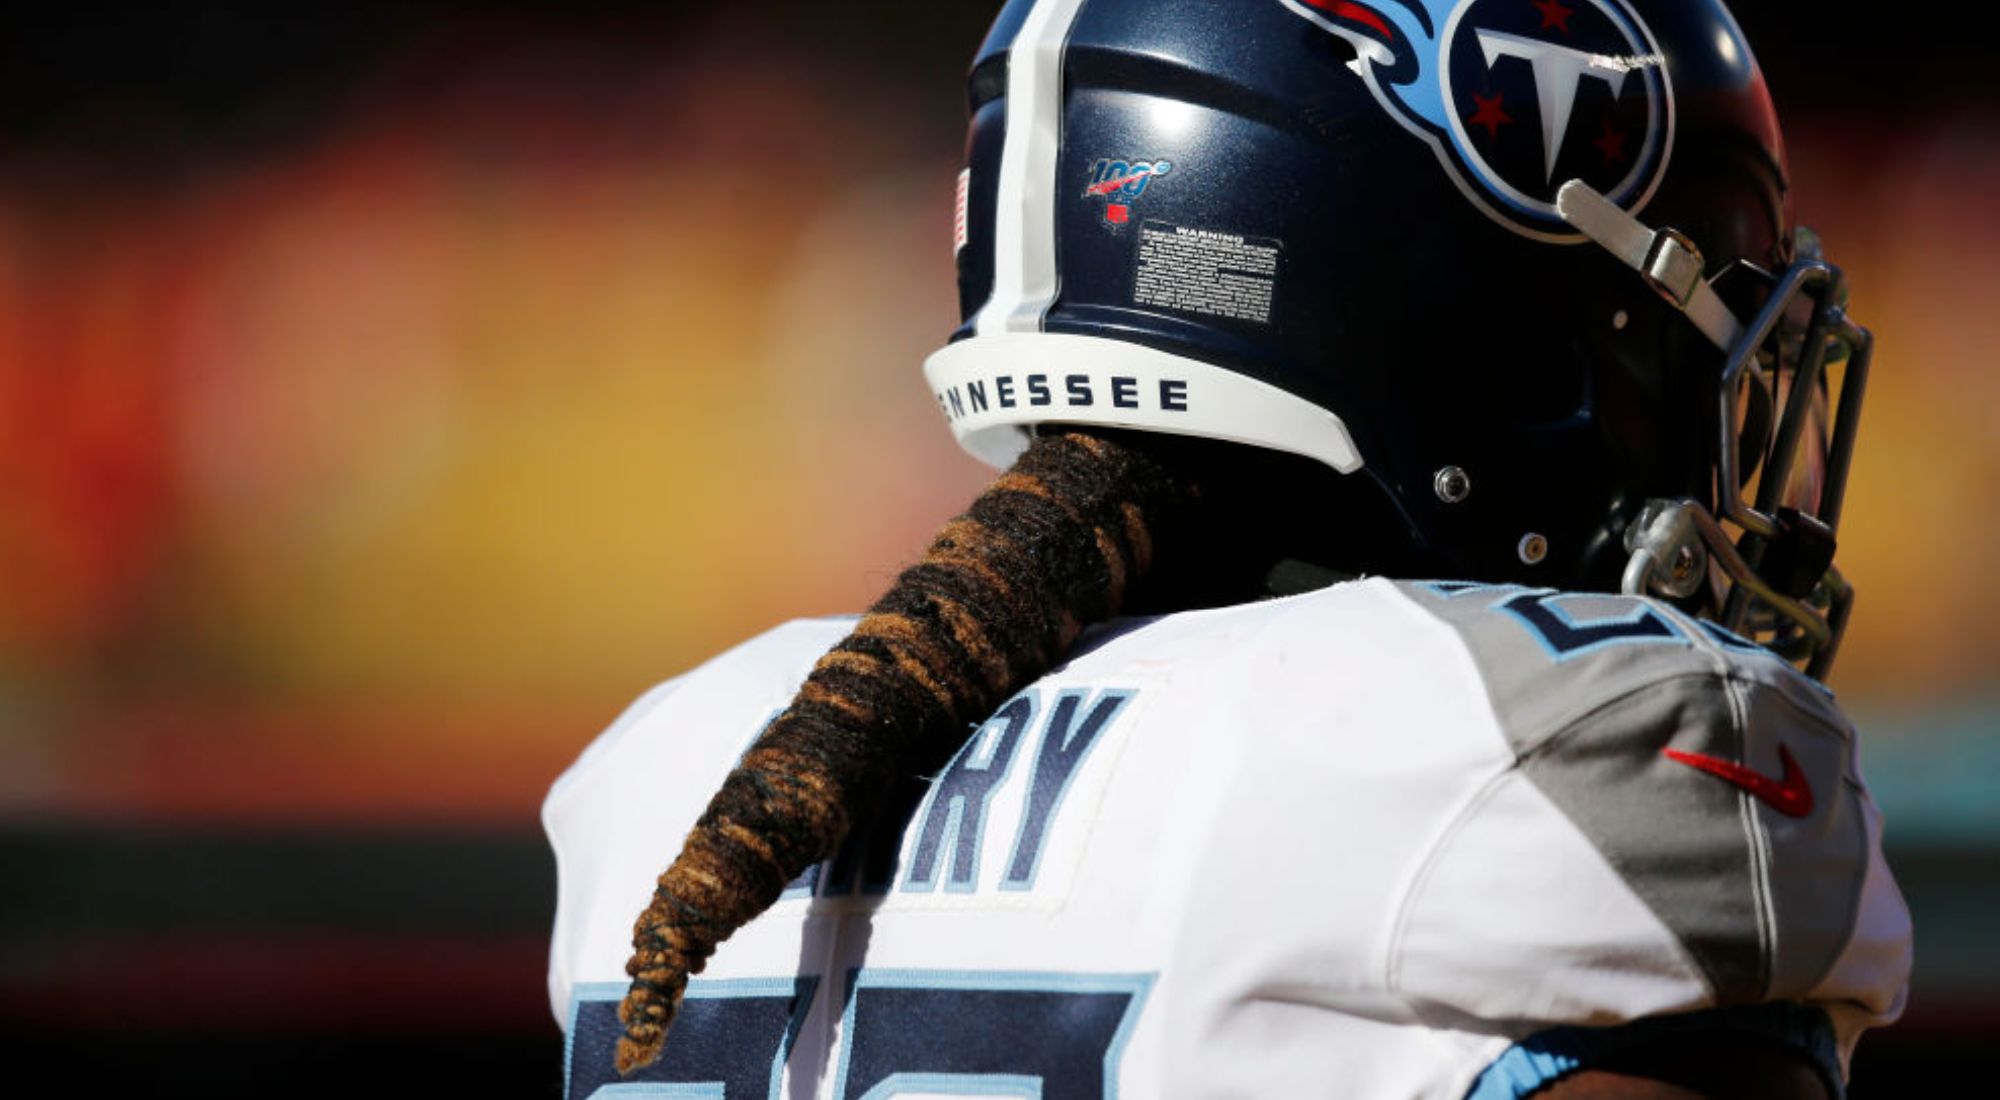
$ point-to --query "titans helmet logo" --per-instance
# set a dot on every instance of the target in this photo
(1517, 97)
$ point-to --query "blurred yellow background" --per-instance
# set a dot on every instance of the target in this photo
(431, 442)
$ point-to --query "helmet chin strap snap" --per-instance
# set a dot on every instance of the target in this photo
(1665, 258)
(1672, 543)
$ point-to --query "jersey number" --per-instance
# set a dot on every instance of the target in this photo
(904, 1033)
(1541, 612)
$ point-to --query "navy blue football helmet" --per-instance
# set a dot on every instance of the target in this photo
(1524, 268)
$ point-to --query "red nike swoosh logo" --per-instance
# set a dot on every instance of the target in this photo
(1790, 794)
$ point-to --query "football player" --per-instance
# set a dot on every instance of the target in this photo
(1390, 662)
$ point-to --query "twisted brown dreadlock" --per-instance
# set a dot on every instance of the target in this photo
(1062, 540)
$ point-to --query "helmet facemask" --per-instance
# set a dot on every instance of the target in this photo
(1759, 562)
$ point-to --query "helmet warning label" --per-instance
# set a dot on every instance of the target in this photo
(1203, 271)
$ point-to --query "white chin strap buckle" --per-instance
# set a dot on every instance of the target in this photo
(1665, 258)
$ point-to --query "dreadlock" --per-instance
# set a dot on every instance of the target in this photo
(1064, 539)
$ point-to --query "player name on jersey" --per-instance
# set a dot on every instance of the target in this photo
(985, 824)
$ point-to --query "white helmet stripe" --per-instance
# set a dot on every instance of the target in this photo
(1024, 223)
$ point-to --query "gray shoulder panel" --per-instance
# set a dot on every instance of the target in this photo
(1716, 780)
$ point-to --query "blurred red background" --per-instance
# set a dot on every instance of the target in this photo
(387, 395)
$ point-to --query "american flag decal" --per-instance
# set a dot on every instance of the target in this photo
(958, 218)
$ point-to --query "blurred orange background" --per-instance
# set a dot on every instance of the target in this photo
(371, 477)
(388, 396)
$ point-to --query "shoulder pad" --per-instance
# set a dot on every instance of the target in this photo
(1716, 784)
(1548, 657)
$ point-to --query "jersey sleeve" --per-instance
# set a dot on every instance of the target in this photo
(618, 815)
(568, 831)
(1682, 829)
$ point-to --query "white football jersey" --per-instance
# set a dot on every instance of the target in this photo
(1386, 839)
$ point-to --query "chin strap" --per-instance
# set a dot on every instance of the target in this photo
(1668, 261)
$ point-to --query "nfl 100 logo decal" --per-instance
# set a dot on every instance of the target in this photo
(1517, 97)
(1120, 183)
